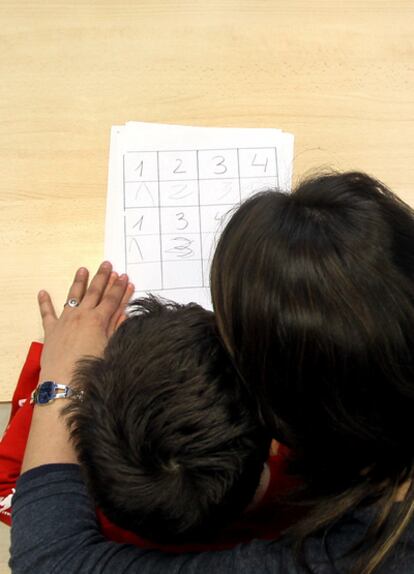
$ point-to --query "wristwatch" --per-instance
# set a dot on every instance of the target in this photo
(48, 391)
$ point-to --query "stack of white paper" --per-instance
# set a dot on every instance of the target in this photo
(171, 190)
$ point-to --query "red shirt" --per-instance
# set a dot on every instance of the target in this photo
(265, 521)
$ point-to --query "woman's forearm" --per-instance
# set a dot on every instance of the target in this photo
(49, 440)
(54, 529)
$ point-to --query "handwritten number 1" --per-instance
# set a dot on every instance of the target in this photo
(140, 167)
(139, 223)
(134, 243)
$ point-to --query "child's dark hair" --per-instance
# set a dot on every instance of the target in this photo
(314, 297)
(168, 444)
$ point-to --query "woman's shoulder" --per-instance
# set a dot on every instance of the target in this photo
(336, 545)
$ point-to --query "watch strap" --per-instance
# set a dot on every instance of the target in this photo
(47, 391)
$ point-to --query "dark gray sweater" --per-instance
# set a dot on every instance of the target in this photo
(55, 532)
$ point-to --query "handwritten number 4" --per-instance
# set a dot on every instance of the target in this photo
(263, 165)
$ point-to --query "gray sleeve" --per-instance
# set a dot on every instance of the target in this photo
(54, 530)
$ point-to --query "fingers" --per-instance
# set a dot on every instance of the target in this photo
(98, 285)
(79, 285)
(119, 316)
(47, 311)
(112, 278)
(114, 325)
(111, 303)
(121, 319)
(108, 293)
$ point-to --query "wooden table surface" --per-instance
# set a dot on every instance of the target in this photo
(338, 74)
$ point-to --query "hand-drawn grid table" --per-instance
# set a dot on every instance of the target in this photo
(174, 203)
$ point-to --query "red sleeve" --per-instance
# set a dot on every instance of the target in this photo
(13, 442)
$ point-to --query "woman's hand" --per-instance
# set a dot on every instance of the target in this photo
(86, 328)
(79, 331)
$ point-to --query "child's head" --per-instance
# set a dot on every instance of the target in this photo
(169, 445)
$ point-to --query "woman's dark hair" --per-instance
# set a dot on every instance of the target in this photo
(167, 441)
(314, 297)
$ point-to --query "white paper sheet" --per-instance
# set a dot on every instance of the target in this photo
(171, 190)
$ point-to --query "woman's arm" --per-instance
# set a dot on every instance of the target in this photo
(79, 331)
(55, 531)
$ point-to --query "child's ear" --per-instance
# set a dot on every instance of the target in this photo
(274, 447)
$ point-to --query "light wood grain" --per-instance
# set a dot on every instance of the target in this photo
(338, 74)
(4, 530)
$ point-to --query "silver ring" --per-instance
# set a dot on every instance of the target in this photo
(72, 303)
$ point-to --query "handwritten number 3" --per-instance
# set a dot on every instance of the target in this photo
(180, 217)
(219, 159)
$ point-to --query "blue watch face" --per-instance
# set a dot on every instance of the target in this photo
(46, 392)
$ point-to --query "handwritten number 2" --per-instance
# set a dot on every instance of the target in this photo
(179, 164)
(181, 192)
